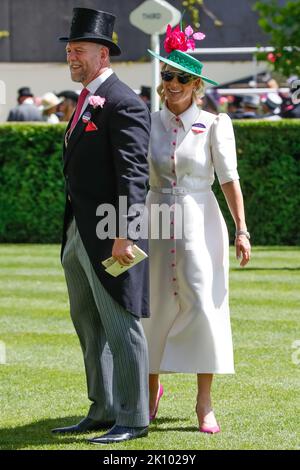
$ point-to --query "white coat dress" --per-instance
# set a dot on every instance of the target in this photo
(189, 328)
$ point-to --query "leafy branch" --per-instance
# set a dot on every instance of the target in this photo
(282, 25)
(194, 7)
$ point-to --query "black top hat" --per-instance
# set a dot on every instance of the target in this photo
(24, 91)
(93, 26)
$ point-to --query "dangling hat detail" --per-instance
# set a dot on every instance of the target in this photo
(176, 44)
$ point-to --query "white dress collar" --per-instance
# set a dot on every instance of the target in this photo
(188, 117)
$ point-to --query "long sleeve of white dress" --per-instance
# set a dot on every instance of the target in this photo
(223, 149)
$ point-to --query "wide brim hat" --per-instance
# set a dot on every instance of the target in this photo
(68, 95)
(49, 100)
(93, 26)
(184, 62)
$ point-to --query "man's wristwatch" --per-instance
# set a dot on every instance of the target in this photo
(242, 232)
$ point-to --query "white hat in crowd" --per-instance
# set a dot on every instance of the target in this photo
(49, 100)
(273, 101)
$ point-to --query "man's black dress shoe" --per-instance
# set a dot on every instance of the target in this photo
(86, 425)
(120, 434)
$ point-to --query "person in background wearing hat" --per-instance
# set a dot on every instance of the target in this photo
(49, 103)
(66, 109)
(271, 106)
(290, 107)
(234, 109)
(145, 95)
(26, 109)
(250, 106)
(105, 164)
(189, 327)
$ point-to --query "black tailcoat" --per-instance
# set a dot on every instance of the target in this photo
(99, 167)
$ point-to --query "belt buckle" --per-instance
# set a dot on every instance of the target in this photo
(178, 191)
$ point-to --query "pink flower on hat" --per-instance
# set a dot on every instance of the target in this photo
(175, 40)
(96, 101)
(182, 41)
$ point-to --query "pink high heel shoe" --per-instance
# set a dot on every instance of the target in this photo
(160, 394)
(210, 429)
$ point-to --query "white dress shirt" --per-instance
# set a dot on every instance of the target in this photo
(94, 85)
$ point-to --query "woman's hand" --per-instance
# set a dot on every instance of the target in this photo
(243, 249)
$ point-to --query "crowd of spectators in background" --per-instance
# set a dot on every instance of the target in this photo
(59, 107)
(51, 108)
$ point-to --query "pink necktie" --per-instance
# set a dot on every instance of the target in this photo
(81, 100)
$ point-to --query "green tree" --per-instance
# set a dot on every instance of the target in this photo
(282, 23)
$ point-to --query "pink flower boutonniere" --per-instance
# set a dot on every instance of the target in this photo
(96, 101)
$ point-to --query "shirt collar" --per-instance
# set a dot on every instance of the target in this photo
(94, 85)
(188, 117)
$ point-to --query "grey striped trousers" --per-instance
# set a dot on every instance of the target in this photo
(112, 340)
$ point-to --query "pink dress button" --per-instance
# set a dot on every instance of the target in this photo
(174, 183)
(173, 265)
(173, 251)
(172, 157)
(175, 131)
(174, 143)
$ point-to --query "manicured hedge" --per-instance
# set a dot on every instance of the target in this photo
(32, 185)
(269, 168)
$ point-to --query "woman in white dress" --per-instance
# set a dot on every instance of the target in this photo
(189, 328)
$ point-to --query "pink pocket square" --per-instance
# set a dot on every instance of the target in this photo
(91, 127)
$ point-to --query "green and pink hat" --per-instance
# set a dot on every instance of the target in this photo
(176, 44)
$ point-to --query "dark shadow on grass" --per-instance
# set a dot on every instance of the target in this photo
(177, 429)
(161, 421)
(39, 433)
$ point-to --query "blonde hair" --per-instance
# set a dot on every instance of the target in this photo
(197, 93)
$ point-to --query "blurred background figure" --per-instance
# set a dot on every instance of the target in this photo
(210, 101)
(290, 108)
(234, 106)
(250, 106)
(271, 106)
(145, 95)
(26, 109)
(49, 103)
(269, 81)
(67, 107)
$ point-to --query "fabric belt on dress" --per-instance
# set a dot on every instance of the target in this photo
(177, 191)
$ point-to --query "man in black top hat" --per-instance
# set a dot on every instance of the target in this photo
(26, 109)
(105, 163)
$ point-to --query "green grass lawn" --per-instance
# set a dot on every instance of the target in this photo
(42, 385)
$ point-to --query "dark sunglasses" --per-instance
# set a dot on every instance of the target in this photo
(182, 77)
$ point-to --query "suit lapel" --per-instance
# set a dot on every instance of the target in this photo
(80, 126)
